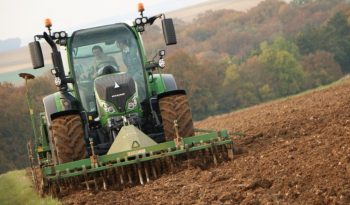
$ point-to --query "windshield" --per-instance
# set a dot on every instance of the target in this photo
(94, 49)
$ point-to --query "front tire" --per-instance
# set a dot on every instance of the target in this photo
(68, 138)
(176, 107)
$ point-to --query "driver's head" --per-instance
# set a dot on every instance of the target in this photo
(109, 69)
(122, 43)
(97, 51)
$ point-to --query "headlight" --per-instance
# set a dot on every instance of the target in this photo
(161, 63)
(63, 34)
(107, 107)
(138, 21)
(144, 20)
(58, 81)
(132, 103)
(56, 35)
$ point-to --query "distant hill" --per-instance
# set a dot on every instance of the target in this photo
(19, 59)
(10, 44)
(189, 13)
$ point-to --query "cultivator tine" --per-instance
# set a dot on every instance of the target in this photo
(86, 178)
(120, 172)
(207, 156)
(168, 164)
(220, 153)
(87, 185)
(95, 182)
(145, 165)
(158, 163)
(188, 155)
(104, 181)
(50, 189)
(63, 184)
(172, 163)
(154, 170)
(164, 165)
(59, 184)
(69, 183)
(77, 181)
(139, 172)
(213, 152)
(111, 179)
(128, 170)
(229, 151)
(224, 152)
(176, 161)
(53, 188)
(115, 176)
(74, 182)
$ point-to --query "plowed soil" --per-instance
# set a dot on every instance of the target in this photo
(295, 151)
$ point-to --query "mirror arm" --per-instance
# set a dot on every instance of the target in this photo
(153, 18)
(151, 66)
(50, 42)
(38, 37)
(70, 80)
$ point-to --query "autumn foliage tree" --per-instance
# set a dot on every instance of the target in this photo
(320, 69)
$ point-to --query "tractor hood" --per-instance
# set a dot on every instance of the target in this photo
(116, 89)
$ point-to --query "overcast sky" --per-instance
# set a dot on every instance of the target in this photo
(25, 18)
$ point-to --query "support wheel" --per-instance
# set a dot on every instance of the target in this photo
(176, 107)
(68, 138)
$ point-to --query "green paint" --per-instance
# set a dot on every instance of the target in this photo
(157, 84)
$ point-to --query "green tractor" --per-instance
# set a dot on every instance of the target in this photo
(115, 115)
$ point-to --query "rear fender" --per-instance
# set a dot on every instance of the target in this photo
(60, 104)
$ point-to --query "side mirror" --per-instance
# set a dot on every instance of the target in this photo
(169, 32)
(36, 54)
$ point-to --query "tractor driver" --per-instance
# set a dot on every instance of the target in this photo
(130, 56)
(102, 60)
(131, 59)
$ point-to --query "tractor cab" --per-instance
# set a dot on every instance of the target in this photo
(101, 51)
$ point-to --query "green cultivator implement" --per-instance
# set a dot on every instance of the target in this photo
(137, 166)
(116, 120)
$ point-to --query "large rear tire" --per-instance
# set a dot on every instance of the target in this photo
(176, 107)
(68, 138)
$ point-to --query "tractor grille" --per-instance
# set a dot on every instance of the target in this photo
(116, 89)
